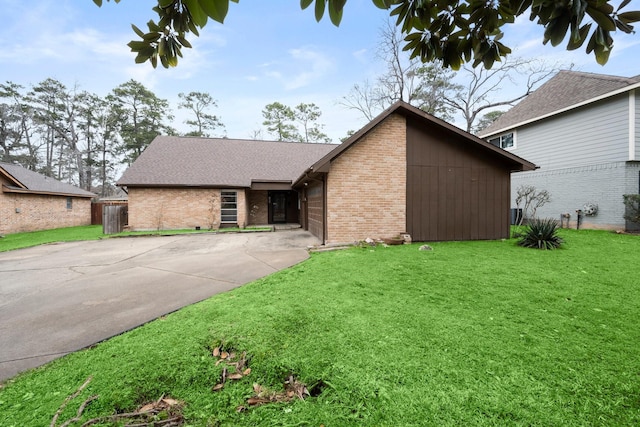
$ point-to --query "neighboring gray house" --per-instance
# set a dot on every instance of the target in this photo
(583, 131)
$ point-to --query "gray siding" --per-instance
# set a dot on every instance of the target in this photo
(594, 134)
(571, 188)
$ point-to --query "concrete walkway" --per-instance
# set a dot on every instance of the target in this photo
(59, 298)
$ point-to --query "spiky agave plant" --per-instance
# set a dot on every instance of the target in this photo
(541, 234)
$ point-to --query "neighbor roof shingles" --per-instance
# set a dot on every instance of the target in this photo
(35, 182)
(215, 162)
(565, 89)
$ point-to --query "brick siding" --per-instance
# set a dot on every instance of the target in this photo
(32, 212)
(572, 188)
(258, 207)
(178, 208)
(366, 190)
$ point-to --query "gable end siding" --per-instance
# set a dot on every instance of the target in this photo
(598, 133)
(454, 191)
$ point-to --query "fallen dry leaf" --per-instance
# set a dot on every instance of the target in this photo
(170, 402)
(217, 387)
(216, 352)
(246, 372)
(257, 401)
(224, 355)
(147, 408)
(235, 376)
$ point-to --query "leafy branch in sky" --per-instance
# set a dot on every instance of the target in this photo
(453, 32)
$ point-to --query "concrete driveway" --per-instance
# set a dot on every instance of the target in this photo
(59, 298)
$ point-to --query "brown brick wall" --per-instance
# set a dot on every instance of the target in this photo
(177, 208)
(366, 190)
(258, 207)
(32, 212)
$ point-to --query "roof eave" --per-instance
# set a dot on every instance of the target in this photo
(7, 189)
(562, 110)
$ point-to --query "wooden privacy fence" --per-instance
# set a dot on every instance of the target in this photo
(96, 209)
(114, 218)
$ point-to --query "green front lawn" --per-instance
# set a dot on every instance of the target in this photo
(14, 241)
(94, 232)
(471, 333)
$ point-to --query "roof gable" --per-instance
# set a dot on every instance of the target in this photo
(424, 119)
(565, 90)
(25, 181)
(219, 162)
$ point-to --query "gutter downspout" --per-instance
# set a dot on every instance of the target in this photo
(632, 125)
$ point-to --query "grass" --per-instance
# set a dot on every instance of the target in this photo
(94, 232)
(34, 238)
(471, 333)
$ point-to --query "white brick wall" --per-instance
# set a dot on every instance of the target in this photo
(571, 188)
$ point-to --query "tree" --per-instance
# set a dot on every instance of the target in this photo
(142, 116)
(18, 127)
(453, 31)
(487, 119)
(476, 95)
(280, 119)
(198, 103)
(11, 122)
(404, 79)
(277, 119)
(307, 115)
(98, 123)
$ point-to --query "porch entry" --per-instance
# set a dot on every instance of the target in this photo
(283, 207)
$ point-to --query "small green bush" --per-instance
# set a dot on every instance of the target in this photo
(541, 234)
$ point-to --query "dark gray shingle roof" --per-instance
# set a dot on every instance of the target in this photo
(38, 183)
(565, 89)
(212, 162)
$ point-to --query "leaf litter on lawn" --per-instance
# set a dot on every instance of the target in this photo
(293, 388)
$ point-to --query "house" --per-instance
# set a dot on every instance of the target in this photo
(583, 131)
(30, 201)
(406, 171)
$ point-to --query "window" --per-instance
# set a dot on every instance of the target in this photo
(69, 202)
(229, 207)
(503, 141)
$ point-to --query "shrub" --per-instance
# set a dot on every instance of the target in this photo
(632, 203)
(541, 234)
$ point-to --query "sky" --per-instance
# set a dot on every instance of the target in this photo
(266, 51)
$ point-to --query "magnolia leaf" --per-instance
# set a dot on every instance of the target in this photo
(602, 54)
(381, 4)
(198, 15)
(556, 30)
(165, 3)
(215, 9)
(305, 4)
(335, 11)
(628, 17)
(184, 42)
(602, 19)
(137, 31)
(319, 9)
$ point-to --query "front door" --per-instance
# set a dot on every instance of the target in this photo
(278, 201)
